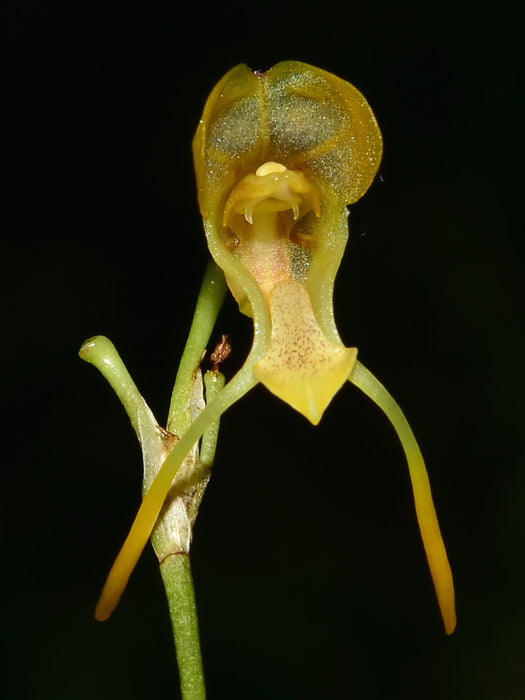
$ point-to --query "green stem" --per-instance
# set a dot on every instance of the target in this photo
(175, 567)
(209, 302)
(178, 582)
(100, 352)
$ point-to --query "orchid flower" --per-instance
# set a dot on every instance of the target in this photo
(278, 158)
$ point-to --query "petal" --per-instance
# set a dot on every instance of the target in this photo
(301, 366)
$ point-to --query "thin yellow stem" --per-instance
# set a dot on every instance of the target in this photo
(425, 511)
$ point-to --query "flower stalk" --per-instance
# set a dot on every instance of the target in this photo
(178, 583)
(172, 526)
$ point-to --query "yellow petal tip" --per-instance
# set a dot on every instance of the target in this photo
(301, 366)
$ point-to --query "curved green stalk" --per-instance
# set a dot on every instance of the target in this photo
(209, 302)
(100, 352)
(425, 511)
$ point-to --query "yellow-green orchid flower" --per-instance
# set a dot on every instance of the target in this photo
(278, 157)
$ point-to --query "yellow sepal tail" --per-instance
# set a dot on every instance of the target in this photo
(425, 511)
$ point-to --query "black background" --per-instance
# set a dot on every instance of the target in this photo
(310, 576)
